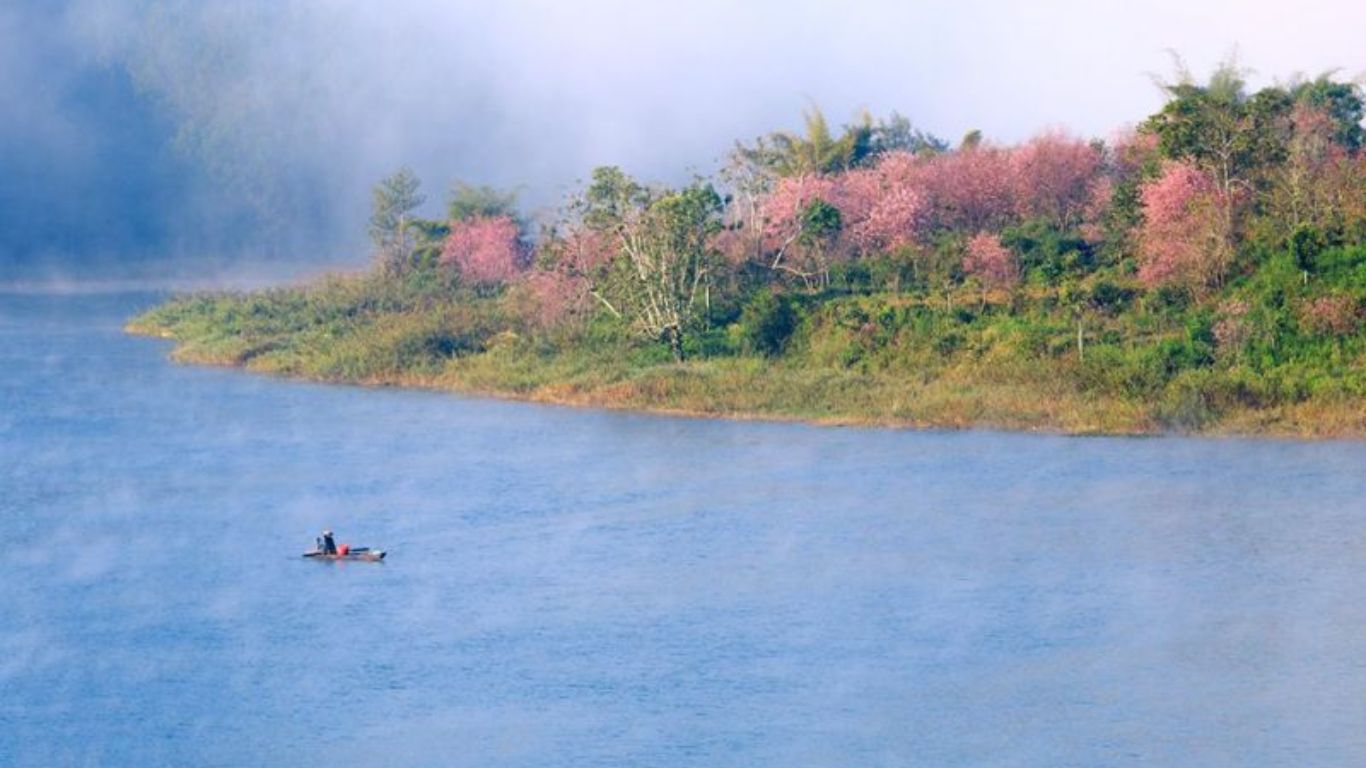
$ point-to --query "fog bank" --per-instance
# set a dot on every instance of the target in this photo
(144, 134)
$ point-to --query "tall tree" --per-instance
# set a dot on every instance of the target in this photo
(468, 201)
(1181, 241)
(659, 251)
(1055, 175)
(897, 134)
(393, 201)
(1230, 136)
(800, 225)
(993, 264)
(487, 250)
(1342, 102)
(1307, 187)
(816, 149)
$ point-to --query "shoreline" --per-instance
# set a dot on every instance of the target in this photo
(596, 400)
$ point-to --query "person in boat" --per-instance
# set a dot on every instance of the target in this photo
(326, 544)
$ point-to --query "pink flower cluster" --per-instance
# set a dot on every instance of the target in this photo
(783, 208)
(990, 262)
(1179, 240)
(486, 249)
(550, 299)
(1054, 175)
(904, 198)
(1333, 315)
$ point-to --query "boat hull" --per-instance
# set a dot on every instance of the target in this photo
(368, 556)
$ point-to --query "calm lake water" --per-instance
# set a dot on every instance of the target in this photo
(575, 588)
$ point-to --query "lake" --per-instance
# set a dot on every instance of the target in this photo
(578, 588)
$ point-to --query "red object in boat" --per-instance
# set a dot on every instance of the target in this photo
(344, 549)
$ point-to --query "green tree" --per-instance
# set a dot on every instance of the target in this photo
(429, 236)
(1219, 128)
(816, 150)
(393, 201)
(1233, 137)
(658, 268)
(1341, 101)
(821, 225)
(767, 322)
(468, 202)
(897, 134)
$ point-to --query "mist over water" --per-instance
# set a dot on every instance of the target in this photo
(570, 587)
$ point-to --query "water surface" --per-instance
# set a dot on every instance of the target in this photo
(577, 588)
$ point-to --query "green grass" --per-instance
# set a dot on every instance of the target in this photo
(942, 360)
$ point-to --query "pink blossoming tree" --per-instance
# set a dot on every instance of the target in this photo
(991, 263)
(1332, 315)
(971, 190)
(487, 250)
(789, 244)
(1181, 240)
(1311, 183)
(1054, 176)
(884, 207)
(548, 299)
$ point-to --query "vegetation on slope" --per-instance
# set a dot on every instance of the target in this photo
(1206, 272)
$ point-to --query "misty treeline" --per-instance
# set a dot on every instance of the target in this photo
(1209, 189)
(1210, 261)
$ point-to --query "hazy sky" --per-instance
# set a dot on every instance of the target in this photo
(258, 112)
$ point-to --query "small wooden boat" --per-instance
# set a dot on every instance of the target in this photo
(358, 553)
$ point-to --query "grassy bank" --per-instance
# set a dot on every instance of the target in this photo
(895, 358)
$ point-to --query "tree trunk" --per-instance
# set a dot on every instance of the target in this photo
(675, 339)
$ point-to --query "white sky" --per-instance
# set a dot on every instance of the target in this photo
(1009, 68)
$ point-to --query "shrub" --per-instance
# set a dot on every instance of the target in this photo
(767, 323)
(1186, 404)
(712, 343)
(1331, 315)
(1110, 298)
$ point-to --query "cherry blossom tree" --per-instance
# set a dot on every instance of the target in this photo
(583, 257)
(991, 262)
(1115, 208)
(883, 207)
(971, 190)
(1054, 176)
(1309, 182)
(1131, 152)
(1097, 210)
(487, 250)
(791, 243)
(748, 184)
(1181, 240)
(547, 299)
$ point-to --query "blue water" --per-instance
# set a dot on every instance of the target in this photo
(575, 588)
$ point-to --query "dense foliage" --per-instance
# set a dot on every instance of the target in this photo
(1206, 270)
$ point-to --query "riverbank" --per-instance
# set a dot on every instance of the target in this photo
(961, 370)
